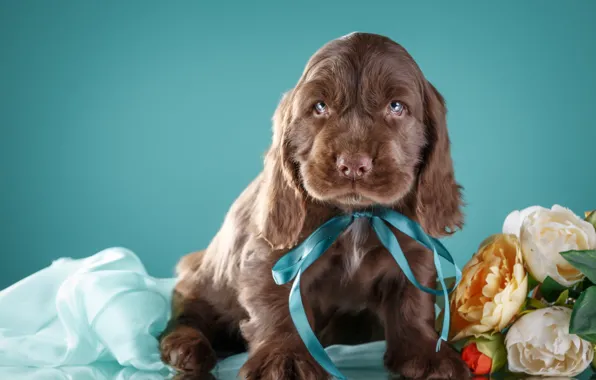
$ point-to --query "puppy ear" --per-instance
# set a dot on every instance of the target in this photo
(438, 198)
(281, 202)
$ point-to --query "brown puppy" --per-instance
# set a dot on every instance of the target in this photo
(362, 127)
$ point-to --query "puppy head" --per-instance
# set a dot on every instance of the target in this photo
(362, 127)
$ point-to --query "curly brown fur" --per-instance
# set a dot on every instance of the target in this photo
(226, 296)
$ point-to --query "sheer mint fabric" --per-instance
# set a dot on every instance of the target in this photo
(76, 312)
(99, 317)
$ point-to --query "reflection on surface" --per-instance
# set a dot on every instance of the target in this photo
(109, 371)
(112, 371)
(99, 371)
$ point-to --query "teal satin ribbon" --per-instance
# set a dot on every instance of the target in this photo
(294, 263)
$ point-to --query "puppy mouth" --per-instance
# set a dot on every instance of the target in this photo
(354, 199)
(362, 196)
(354, 196)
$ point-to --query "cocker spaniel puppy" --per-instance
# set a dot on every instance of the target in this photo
(361, 127)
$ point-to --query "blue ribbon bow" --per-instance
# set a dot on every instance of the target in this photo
(295, 262)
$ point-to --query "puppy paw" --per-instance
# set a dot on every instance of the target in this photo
(186, 349)
(413, 363)
(276, 364)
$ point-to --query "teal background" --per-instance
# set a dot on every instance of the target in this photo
(137, 123)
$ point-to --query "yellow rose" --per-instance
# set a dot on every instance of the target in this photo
(493, 288)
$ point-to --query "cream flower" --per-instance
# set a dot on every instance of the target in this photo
(544, 234)
(539, 344)
(494, 286)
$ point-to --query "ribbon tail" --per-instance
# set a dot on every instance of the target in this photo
(444, 253)
(390, 242)
(447, 314)
(298, 314)
(323, 238)
(414, 230)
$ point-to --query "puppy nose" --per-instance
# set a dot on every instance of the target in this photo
(354, 166)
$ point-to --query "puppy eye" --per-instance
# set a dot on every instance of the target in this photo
(320, 108)
(396, 108)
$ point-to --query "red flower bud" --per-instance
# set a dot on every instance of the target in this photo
(479, 363)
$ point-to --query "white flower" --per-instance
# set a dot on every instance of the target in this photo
(544, 234)
(513, 222)
(539, 344)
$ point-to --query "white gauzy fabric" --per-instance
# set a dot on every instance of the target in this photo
(99, 318)
(76, 312)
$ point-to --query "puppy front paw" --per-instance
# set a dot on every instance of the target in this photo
(186, 349)
(273, 363)
(415, 363)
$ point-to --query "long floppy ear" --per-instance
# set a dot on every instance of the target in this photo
(438, 198)
(281, 202)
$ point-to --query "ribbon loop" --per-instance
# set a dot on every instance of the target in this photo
(291, 266)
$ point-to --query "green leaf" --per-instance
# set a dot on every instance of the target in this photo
(532, 282)
(591, 218)
(493, 346)
(459, 345)
(577, 289)
(583, 317)
(550, 289)
(530, 305)
(499, 360)
(584, 261)
(562, 300)
(536, 304)
(528, 311)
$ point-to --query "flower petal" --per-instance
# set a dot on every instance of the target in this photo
(539, 343)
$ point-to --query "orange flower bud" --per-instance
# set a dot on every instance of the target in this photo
(485, 354)
(479, 363)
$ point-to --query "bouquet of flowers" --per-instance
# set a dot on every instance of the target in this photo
(527, 298)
